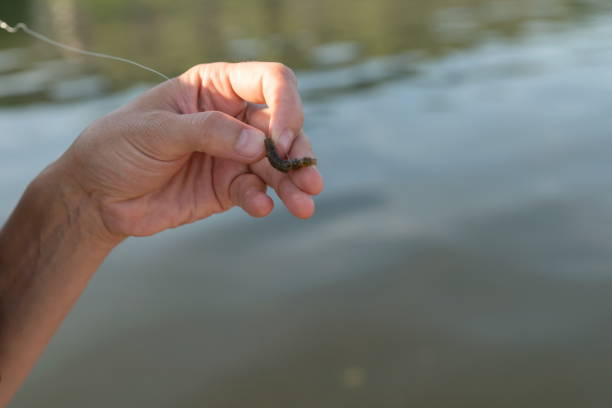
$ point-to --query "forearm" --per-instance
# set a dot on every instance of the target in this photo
(49, 249)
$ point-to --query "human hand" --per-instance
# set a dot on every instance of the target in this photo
(194, 146)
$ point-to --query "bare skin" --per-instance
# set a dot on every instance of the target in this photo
(187, 149)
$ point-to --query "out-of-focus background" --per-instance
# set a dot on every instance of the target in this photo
(461, 255)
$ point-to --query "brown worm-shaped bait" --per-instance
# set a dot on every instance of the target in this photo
(285, 165)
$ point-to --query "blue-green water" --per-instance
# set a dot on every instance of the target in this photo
(461, 253)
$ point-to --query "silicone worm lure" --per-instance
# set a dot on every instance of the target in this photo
(285, 165)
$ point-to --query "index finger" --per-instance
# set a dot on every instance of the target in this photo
(275, 85)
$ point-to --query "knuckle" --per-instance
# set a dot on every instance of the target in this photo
(203, 70)
(210, 124)
(212, 70)
(191, 72)
(210, 118)
(284, 72)
(220, 65)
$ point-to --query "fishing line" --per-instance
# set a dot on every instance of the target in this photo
(37, 35)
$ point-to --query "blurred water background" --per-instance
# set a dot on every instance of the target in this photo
(461, 255)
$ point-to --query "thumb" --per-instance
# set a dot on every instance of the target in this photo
(214, 133)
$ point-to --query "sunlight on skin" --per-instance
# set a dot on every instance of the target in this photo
(178, 144)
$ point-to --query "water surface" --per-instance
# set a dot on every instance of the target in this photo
(460, 255)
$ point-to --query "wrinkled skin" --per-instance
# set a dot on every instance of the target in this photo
(169, 157)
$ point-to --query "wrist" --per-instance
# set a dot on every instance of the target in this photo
(56, 195)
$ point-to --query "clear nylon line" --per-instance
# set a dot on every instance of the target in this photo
(29, 31)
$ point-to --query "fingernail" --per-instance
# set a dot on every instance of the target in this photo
(284, 141)
(250, 143)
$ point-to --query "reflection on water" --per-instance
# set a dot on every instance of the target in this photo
(460, 254)
(315, 34)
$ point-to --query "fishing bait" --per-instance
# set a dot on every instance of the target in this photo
(285, 165)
